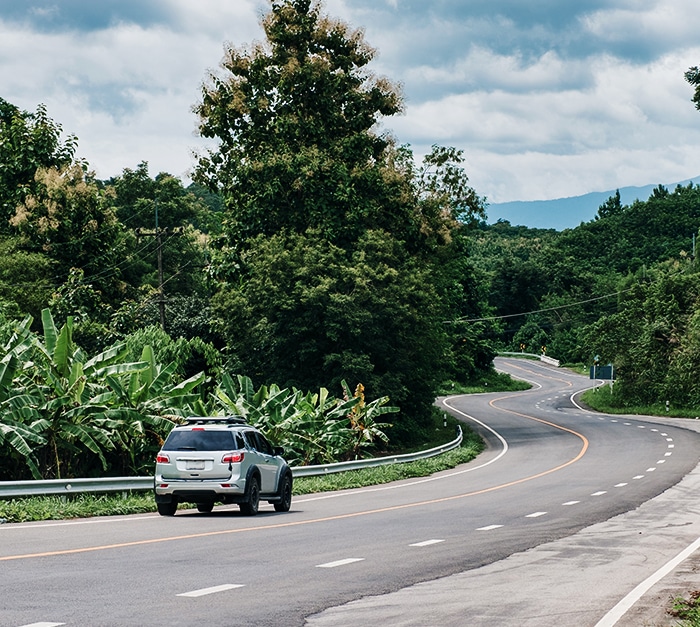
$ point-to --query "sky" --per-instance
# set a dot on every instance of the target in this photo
(546, 98)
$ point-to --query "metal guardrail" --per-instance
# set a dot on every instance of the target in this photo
(317, 471)
(45, 487)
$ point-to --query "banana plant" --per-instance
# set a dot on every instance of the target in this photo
(146, 402)
(62, 411)
(363, 424)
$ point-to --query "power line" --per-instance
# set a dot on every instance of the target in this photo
(527, 313)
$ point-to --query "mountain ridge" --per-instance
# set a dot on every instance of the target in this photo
(567, 213)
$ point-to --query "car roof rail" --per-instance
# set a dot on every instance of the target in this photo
(229, 420)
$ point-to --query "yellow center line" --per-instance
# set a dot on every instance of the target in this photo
(297, 523)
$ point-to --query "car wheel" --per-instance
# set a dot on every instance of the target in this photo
(205, 508)
(285, 501)
(250, 507)
(167, 509)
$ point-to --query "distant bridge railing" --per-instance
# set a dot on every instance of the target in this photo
(544, 358)
(47, 487)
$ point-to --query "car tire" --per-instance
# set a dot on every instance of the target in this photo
(167, 509)
(285, 501)
(205, 508)
(250, 507)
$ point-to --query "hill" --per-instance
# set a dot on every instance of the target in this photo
(566, 213)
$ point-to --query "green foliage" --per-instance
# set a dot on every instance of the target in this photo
(312, 428)
(63, 414)
(28, 142)
(311, 314)
(26, 280)
(489, 381)
(83, 506)
(79, 506)
(688, 610)
(693, 77)
(654, 338)
(69, 219)
(295, 121)
(142, 204)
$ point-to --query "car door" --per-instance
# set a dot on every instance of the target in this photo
(267, 462)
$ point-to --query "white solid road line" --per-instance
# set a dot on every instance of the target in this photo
(617, 612)
(212, 590)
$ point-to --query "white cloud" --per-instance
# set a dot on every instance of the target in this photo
(671, 21)
(541, 120)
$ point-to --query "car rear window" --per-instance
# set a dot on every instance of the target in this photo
(200, 441)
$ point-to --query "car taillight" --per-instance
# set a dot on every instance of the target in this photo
(162, 459)
(232, 458)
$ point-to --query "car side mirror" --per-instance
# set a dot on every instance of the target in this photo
(278, 451)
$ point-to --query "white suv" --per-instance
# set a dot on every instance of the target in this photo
(220, 460)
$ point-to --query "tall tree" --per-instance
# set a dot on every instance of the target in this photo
(28, 141)
(71, 221)
(332, 268)
(295, 119)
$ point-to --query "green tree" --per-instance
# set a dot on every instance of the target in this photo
(311, 314)
(693, 77)
(64, 414)
(295, 119)
(28, 142)
(142, 204)
(26, 279)
(334, 262)
(70, 220)
(611, 206)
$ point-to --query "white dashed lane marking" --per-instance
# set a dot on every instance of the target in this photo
(571, 502)
(426, 543)
(345, 562)
(489, 528)
(204, 591)
(536, 514)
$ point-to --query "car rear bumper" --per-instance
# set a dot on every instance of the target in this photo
(198, 491)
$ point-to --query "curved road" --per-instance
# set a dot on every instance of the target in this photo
(550, 470)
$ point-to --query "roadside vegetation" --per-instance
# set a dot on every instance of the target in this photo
(316, 277)
(609, 401)
(85, 506)
(687, 610)
(490, 381)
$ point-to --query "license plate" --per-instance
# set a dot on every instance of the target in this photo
(195, 465)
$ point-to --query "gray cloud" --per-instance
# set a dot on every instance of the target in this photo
(61, 15)
(546, 98)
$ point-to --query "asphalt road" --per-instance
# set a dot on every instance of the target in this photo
(550, 470)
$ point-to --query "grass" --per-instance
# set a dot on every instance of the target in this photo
(85, 505)
(492, 382)
(688, 610)
(603, 400)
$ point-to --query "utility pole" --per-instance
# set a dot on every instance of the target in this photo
(161, 296)
(158, 234)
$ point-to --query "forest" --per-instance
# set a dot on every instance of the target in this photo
(313, 276)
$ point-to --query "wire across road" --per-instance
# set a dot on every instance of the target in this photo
(550, 470)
